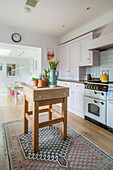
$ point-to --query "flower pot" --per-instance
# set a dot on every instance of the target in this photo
(35, 83)
(46, 81)
(41, 83)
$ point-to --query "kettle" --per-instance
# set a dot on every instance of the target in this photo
(104, 77)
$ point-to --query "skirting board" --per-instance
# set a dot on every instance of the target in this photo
(76, 112)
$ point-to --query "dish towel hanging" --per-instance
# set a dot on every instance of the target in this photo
(110, 93)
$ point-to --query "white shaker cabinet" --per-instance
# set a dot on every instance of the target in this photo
(65, 63)
(74, 60)
(66, 84)
(86, 57)
(76, 97)
(68, 56)
(109, 114)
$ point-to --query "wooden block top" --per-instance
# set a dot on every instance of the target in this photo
(38, 94)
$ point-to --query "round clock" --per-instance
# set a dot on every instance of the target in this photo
(16, 37)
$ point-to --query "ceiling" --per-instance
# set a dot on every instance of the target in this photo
(50, 15)
(20, 51)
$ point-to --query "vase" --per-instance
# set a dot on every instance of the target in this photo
(53, 78)
(41, 83)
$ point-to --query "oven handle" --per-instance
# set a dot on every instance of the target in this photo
(96, 101)
(98, 93)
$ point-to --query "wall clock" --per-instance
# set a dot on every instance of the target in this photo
(16, 37)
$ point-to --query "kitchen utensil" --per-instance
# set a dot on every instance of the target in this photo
(105, 76)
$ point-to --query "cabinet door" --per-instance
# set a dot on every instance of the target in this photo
(74, 60)
(78, 101)
(85, 56)
(67, 84)
(64, 65)
(77, 92)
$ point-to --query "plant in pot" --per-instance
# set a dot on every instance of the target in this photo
(53, 73)
(46, 75)
(41, 81)
(35, 81)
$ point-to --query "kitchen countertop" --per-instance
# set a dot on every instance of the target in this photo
(74, 81)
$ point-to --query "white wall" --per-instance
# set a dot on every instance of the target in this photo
(30, 38)
(25, 73)
(88, 27)
(106, 63)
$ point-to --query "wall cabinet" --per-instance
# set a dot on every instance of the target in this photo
(86, 57)
(65, 63)
(74, 70)
(74, 56)
(68, 56)
(76, 97)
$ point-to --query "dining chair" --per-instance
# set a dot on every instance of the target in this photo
(8, 95)
(12, 95)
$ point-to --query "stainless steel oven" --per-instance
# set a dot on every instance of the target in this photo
(96, 102)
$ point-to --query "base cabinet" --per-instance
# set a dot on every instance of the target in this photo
(76, 97)
(66, 84)
(109, 114)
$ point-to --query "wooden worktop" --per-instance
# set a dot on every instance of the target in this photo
(38, 94)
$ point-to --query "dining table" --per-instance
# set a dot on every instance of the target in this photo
(17, 87)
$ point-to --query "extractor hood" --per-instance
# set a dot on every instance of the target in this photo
(104, 41)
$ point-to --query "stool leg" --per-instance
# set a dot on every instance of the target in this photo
(25, 111)
(64, 123)
(35, 126)
(50, 113)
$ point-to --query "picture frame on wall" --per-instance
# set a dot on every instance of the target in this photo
(1, 66)
(51, 53)
(12, 69)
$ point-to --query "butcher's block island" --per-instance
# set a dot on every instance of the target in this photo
(42, 97)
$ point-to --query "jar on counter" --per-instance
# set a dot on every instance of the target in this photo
(88, 76)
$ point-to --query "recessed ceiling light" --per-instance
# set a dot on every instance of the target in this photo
(26, 9)
(63, 26)
(4, 52)
(88, 8)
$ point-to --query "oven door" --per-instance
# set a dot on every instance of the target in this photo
(95, 109)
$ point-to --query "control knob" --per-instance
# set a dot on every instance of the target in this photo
(97, 88)
(92, 87)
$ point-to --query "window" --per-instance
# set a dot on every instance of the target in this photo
(12, 69)
(94, 109)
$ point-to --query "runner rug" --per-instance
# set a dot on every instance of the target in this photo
(54, 153)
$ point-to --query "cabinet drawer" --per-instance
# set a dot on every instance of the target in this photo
(65, 84)
(60, 83)
(77, 87)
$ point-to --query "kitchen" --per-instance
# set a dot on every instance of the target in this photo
(80, 34)
(89, 60)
